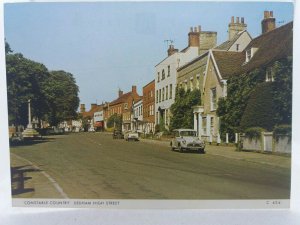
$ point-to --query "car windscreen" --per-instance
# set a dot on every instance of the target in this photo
(188, 133)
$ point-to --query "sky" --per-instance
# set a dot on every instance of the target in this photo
(112, 45)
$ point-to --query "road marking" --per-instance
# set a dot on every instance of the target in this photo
(54, 183)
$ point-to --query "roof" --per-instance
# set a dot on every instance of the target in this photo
(193, 61)
(92, 111)
(153, 81)
(271, 46)
(121, 99)
(227, 44)
(228, 62)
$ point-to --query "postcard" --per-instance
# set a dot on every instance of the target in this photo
(158, 105)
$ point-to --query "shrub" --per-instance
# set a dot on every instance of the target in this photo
(254, 132)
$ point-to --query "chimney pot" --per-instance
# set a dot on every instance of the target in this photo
(271, 13)
(191, 29)
(266, 14)
(199, 28)
(133, 89)
(232, 19)
(242, 20)
(237, 19)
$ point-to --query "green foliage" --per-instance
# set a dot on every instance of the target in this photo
(25, 80)
(61, 93)
(282, 91)
(54, 95)
(182, 111)
(260, 108)
(254, 132)
(283, 129)
(157, 128)
(7, 48)
(115, 121)
(231, 109)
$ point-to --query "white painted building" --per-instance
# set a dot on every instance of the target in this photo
(166, 76)
(137, 122)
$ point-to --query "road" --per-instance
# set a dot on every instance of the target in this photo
(94, 166)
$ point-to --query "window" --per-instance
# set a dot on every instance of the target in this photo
(158, 77)
(163, 75)
(125, 106)
(156, 96)
(212, 125)
(213, 99)
(169, 69)
(170, 91)
(198, 81)
(159, 95)
(167, 89)
(269, 75)
(163, 94)
(237, 47)
(191, 84)
(248, 55)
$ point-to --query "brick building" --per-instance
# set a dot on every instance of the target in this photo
(122, 106)
(148, 107)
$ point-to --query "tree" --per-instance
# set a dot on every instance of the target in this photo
(61, 92)
(182, 111)
(53, 95)
(24, 81)
(115, 121)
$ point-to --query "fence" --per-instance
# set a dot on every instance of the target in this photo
(267, 143)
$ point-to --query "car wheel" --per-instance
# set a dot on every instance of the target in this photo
(201, 151)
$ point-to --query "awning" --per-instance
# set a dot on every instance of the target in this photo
(98, 124)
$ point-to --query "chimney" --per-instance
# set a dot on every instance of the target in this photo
(133, 89)
(236, 27)
(268, 23)
(82, 108)
(120, 93)
(93, 106)
(194, 37)
(172, 50)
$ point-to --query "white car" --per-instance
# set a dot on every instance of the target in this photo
(131, 135)
(187, 139)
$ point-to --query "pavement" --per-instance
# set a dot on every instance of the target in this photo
(29, 181)
(283, 160)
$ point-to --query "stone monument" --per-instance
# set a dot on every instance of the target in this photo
(29, 132)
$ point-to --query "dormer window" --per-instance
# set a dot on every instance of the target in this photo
(158, 76)
(269, 75)
(250, 53)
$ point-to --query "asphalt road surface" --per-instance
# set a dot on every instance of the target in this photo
(94, 166)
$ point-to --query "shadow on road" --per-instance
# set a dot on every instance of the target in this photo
(30, 142)
(19, 178)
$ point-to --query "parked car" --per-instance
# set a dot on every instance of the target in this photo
(117, 134)
(187, 139)
(131, 136)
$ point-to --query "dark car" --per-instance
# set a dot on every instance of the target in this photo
(117, 134)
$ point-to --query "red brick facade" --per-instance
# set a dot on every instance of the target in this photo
(148, 106)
